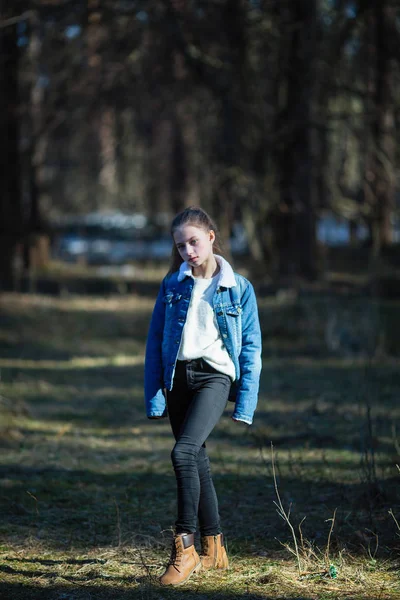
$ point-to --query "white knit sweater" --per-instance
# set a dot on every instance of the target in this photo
(200, 337)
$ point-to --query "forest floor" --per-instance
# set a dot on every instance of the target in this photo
(87, 492)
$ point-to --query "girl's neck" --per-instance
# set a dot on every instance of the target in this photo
(208, 269)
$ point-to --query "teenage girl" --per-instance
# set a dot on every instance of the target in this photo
(203, 347)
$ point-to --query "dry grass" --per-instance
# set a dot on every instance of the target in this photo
(87, 494)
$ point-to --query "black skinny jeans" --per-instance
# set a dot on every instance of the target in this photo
(195, 405)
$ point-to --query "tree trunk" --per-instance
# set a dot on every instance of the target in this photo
(384, 126)
(294, 220)
(380, 175)
(36, 150)
(108, 144)
(179, 167)
(10, 196)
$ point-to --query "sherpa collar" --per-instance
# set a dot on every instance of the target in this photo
(226, 276)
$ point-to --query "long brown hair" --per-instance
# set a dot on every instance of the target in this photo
(197, 217)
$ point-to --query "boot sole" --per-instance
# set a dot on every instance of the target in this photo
(196, 569)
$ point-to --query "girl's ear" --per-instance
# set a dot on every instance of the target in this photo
(212, 235)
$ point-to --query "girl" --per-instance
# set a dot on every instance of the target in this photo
(204, 345)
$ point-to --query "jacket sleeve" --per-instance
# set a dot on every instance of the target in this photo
(249, 359)
(153, 369)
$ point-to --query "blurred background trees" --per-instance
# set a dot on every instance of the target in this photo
(266, 112)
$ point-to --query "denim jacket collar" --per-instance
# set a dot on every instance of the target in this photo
(226, 276)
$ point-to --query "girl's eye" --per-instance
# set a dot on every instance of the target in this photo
(194, 242)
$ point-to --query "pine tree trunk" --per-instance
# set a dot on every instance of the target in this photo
(294, 221)
(380, 175)
(10, 196)
(384, 126)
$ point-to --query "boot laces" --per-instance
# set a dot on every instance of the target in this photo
(176, 555)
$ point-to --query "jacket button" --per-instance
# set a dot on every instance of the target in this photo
(176, 341)
(220, 313)
(225, 335)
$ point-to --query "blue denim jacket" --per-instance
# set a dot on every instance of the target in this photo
(236, 313)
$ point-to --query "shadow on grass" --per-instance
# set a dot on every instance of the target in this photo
(301, 406)
(62, 374)
(80, 509)
(144, 590)
(73, 578)
(59, 335)
(89, 286)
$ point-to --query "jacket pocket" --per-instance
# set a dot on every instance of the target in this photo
(234, 310)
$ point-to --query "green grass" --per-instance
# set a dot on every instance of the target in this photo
(87, 493)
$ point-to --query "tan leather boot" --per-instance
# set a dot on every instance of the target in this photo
(184, 560)
(213, 553)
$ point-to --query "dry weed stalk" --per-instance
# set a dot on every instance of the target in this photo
(396, 442)
(36, 501)
(328, 543)
(283, 514)
(367, 548)
(118, 516)
(307, 550)
(391, 513)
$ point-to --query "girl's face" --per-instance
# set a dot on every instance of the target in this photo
(195, 245)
